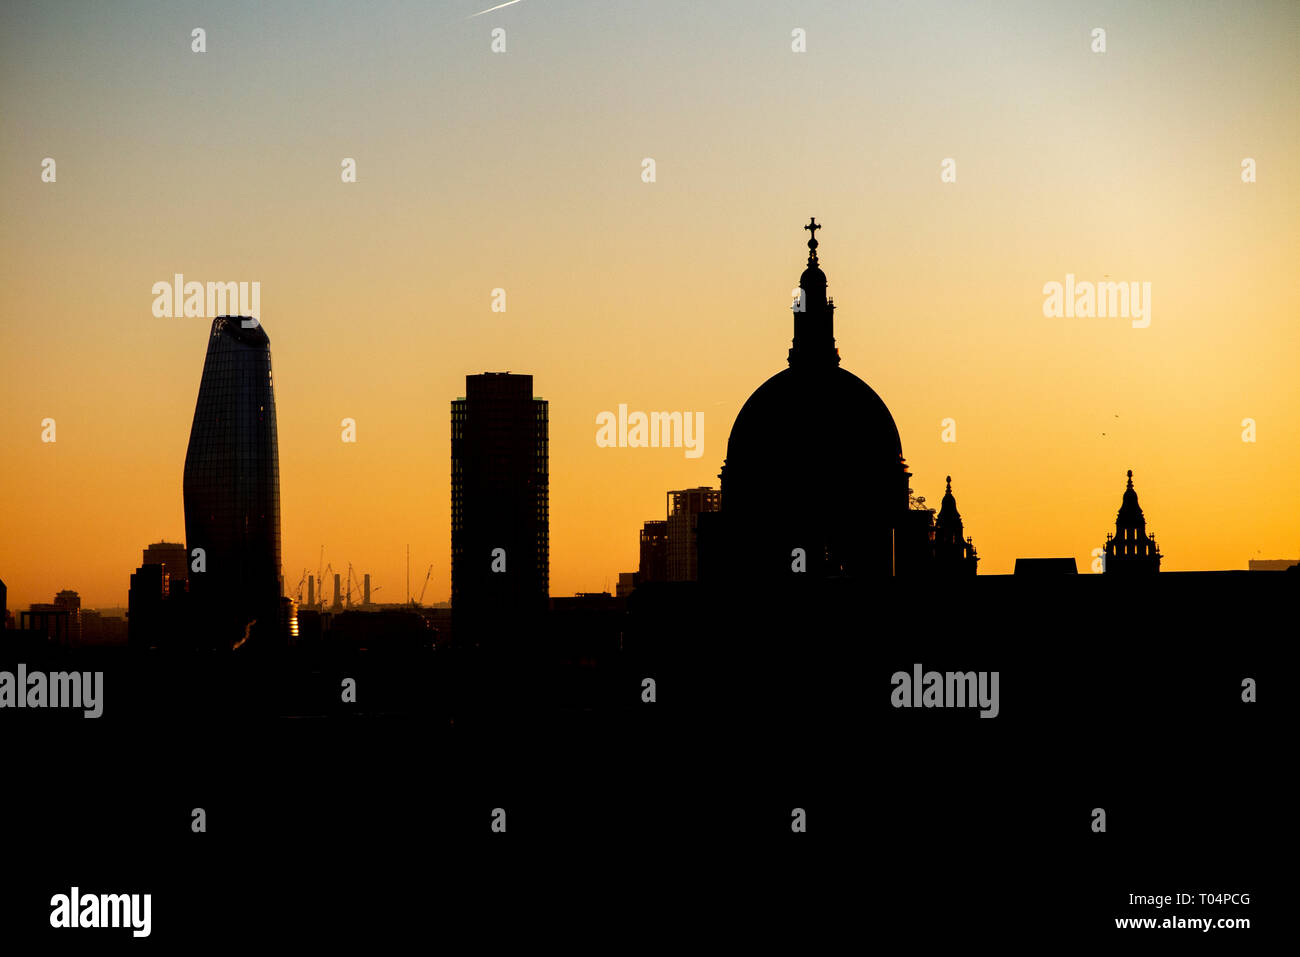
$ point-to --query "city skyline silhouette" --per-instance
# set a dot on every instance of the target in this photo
(615, 550)
(664, 295)
(863, 522)
(773, 433)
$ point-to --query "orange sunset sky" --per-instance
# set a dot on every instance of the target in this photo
(522, 170)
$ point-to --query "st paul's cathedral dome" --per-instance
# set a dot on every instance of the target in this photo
(814, 461)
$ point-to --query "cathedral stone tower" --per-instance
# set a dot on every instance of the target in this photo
(953, 555)
(1130, 551)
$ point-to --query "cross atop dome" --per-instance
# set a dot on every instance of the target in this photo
(812, 228)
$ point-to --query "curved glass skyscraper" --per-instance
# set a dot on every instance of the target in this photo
(232, 488)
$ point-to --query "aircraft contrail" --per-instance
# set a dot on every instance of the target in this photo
(508, 3)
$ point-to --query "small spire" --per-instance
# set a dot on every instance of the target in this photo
(814, 324)
(1130, 478)
(812, 228)
(949, 517)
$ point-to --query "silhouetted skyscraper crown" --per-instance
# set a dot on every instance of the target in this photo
(232, 485)
(500, 518)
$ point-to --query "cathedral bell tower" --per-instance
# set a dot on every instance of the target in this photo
(1130, 551)
(953, 555)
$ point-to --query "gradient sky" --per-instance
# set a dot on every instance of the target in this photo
(522, 170)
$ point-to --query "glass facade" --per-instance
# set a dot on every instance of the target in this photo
(232, 485)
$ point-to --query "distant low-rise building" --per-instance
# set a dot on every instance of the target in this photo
(1046, 566)
(171, 554)
(626, 584)
(684, 509)
(70, 602)
(653, 565)
(98, 628)
(146, 606)
(47, 619)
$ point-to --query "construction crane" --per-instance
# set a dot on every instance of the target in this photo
(351, 576)
(329, 568)
(426, 585)
(301, 582)
(320, 578)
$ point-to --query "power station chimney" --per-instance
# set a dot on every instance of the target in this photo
(366, 593)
